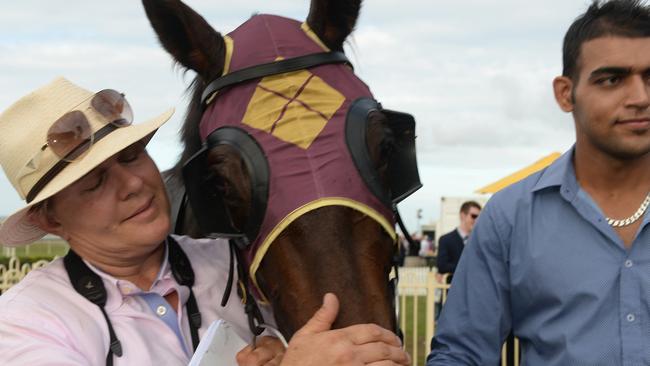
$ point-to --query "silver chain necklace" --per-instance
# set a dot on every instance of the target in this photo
(634, 217)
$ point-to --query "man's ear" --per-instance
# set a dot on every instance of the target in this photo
(44, 219)
(563, 90)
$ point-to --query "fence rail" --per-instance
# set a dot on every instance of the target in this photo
(14, 272)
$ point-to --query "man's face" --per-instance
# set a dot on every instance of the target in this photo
(467, 220)
(118, 208)
(612, 97)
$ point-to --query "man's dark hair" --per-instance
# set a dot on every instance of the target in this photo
(623, 18)
(464, 208)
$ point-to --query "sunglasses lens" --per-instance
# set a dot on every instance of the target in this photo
(70, 136)
(112, 105)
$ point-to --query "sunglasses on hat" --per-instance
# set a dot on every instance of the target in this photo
(71, 135)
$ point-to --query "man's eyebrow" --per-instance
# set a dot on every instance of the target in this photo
(610, 70)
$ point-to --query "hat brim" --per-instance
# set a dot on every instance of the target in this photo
(18, 229)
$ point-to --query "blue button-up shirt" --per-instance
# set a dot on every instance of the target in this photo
(543, 262)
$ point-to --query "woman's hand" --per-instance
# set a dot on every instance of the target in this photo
(268, 352)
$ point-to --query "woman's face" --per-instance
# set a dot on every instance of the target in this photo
(118, 210)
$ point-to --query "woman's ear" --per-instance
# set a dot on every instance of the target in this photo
(42, 216)
(563, 90)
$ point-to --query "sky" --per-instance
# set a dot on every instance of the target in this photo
(476, 74)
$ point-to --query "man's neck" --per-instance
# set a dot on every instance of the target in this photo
(462, 232)
(617, 186)
(598, 173)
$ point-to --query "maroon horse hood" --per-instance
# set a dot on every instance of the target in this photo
(298, 119)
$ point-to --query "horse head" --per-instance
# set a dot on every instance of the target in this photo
(286, 150)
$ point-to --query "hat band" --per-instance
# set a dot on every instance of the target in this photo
(61, 164)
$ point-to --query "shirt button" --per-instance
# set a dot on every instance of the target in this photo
(161, 310)
(630, 317)
(629, 263)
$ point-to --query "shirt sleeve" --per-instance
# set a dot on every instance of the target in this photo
(476, 317)
(31, 340)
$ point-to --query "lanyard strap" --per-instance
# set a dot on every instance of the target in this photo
(89, 285)
(184, 275)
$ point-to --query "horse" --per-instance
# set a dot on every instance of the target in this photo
(287, 153)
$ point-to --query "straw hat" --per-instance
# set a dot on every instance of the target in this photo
(23, 132)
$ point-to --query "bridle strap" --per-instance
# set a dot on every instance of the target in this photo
(231, 275)
(395, 281)
(402, 227)
(272, 68)
(255, 318)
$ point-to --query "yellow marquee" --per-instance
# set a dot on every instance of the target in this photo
(520, 174)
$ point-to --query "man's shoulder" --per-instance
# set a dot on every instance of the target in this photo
(515, 194)
(513, 205)
(449, 236)
(550, 177)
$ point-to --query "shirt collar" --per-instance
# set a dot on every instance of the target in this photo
(560, 174)
(462, 234)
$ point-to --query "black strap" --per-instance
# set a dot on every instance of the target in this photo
(184, 275)
(255, 317)
(62, 163)
(228, 289)
(272, 68)
(400, 223)
(395, 280)
(88, 284)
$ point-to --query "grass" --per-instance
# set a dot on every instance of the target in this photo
(407, 311)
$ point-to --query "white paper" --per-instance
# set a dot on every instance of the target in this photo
(219, 346)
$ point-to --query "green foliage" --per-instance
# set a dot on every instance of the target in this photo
(419, 328)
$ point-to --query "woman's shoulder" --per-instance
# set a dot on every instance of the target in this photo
(37, 284)
(41, 292)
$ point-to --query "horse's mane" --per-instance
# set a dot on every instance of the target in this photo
(190, 135)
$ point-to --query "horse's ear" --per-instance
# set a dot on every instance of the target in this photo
(187, 37)
(333, 20)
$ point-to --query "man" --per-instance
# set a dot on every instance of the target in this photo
(127, 293)
(451, 245)
(562, 257)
